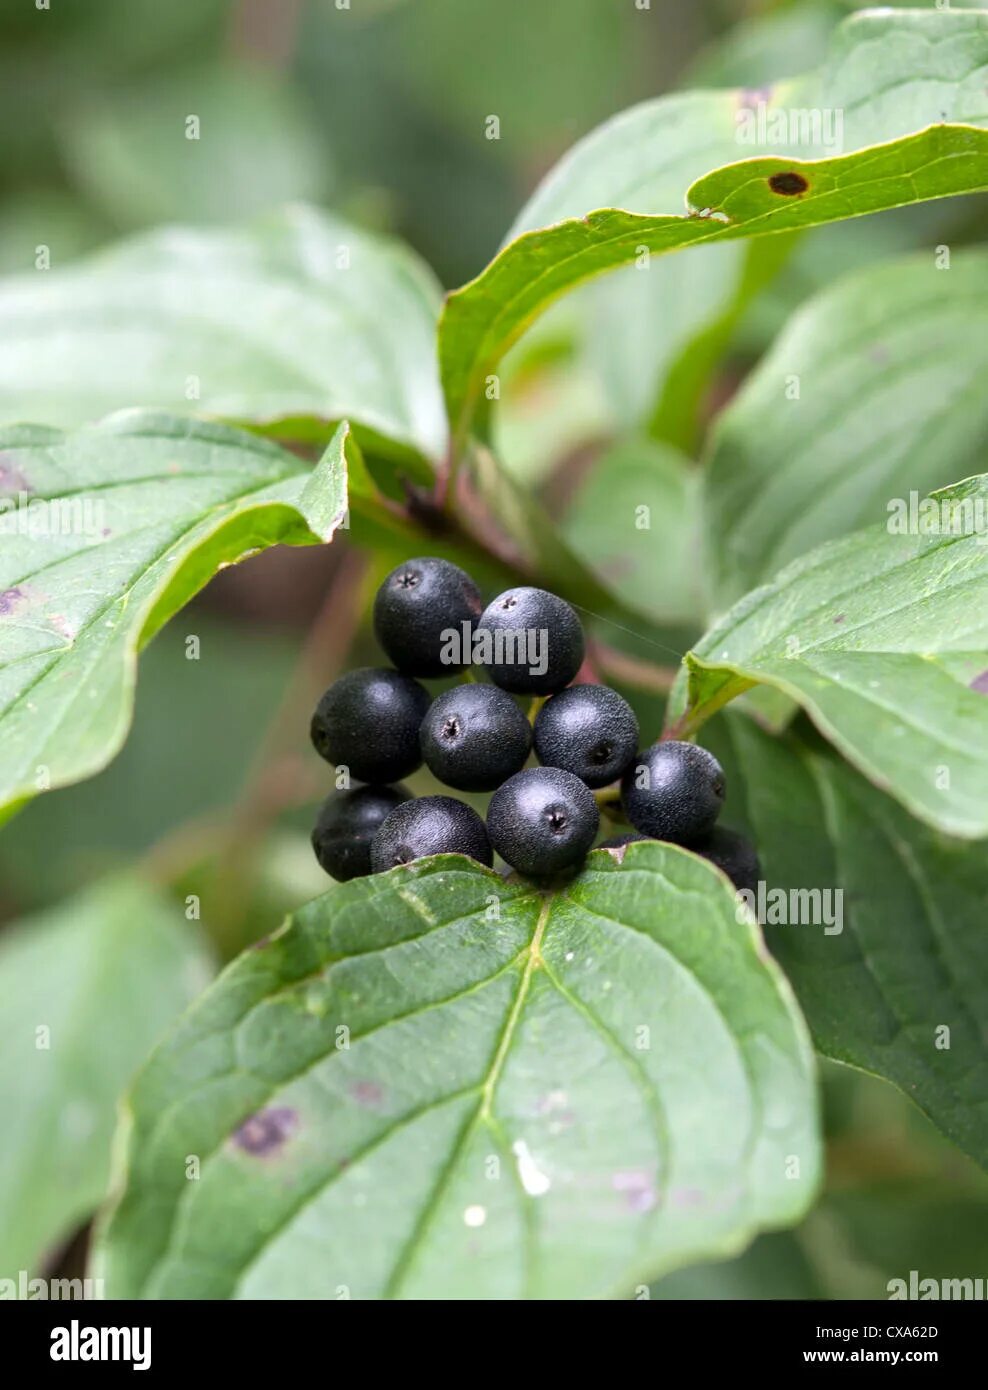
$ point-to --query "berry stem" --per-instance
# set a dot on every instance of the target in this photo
(697, 715)
(645, 675)
(444, 497)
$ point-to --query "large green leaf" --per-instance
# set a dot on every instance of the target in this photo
(890, 365)
(439, 1084)
(85, 992)
(769, 43)
(910, 90)
(902, 957)
(883, 639)
(106, 533)
(138, 155)
(297, 322)
(652, 341)
(634, 520)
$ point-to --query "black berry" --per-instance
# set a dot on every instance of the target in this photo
(734, 854)
(368, 721)
(533, 643)
(542, 820)
(588, 730)
(347, 822)
(475, 736)
(430, 825)
(419, 602)
(674, 791)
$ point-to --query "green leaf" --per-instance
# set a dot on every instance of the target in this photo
(909, 87)
(634, 521)
(769, 44)
(904, 957)
(651, 342)
(775, 1267)
(890, 364)
(883, 1242)
(701, 340)
(293, 324)
(883, 639)
(140, 157)
(85, 991)
(436, 1083)
(106, 533)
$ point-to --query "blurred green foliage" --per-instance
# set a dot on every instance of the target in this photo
(380, 111)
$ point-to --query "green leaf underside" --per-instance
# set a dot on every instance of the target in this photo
(300, 320)
(634, 521)
(590, 1087)
(910, 87)
(105, 974)
(106, 533)
(909, 960)
(891, 364)
(883, 639)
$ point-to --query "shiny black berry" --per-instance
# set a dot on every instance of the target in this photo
(347, 822)
(419, 602)
(430, 825)
(368, 721)
(533, 643)
(589, 730)
(543, 820)
(475, 736)
(674, 791)
(734, 854)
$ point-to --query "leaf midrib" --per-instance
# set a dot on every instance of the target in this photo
(483, 1114)
(325, 971)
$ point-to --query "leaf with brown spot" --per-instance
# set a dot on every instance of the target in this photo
(913, 129)
(521, 1097)
(789, 184)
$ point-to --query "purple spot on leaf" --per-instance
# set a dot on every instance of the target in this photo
(751, 97)
(265, 1133)
(367, 1093)
(12, 480)
(638, 1189)
(9, 600)
(840, 617)
(980, 683)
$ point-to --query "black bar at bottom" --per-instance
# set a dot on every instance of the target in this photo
(287, 1339)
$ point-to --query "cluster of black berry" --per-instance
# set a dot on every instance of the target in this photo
(381, 724)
